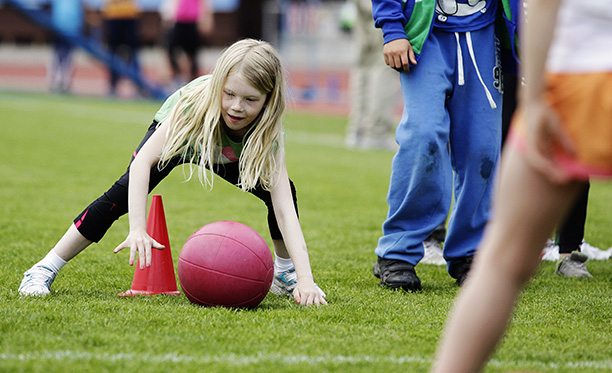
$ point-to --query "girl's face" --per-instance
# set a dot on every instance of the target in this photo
(240, 104)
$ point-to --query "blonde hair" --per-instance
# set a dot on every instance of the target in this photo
(195, 122)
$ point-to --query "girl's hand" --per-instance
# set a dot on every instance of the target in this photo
(306, 293)
(546, 137)
(139, 242)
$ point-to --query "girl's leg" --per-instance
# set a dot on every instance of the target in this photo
(90, 226)
(71, 244)
(97, 218)
(508, 256)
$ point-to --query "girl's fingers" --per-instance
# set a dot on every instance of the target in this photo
(148, 255)
(142, 248)
(308, 299)
(120, 247)
(143, 256)
(132, 256)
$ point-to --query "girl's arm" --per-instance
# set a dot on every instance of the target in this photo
(544, 129)
(138, 240)
(306, 292)
(536, 37)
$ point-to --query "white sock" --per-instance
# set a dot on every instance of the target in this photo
(282, 264)
(52, 261)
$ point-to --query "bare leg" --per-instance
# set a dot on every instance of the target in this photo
(526, 210)
(71, 244)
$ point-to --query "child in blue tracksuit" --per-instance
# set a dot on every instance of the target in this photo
(449, 135)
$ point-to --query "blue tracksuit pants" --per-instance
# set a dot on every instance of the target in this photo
(449, 141)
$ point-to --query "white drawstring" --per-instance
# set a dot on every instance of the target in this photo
(459, 61)
(461, 78)
(469, 43)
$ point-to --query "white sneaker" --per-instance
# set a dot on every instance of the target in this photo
(37, 281)
(550, 251)
(433, 252)
(594, 252)
(284, 283)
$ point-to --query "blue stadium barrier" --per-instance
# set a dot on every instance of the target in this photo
(95, 49)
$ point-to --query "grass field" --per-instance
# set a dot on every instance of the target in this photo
(58, 154)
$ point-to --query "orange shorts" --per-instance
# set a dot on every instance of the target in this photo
(583, 103)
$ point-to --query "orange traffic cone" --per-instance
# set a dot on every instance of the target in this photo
(159, 278)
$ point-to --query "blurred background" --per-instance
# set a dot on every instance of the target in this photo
(314, 37)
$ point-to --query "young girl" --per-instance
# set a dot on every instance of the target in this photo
(561, 136)
(227, 123)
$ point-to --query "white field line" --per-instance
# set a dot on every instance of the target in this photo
(244, 360)
(231, 359)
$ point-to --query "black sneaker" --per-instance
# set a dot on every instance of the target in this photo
(396, 274)
(459, 269)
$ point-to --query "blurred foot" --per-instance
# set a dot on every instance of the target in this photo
(460, 268)
(573, 265)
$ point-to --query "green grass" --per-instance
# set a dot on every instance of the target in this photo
(58, 154)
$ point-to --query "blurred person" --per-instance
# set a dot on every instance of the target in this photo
(568, 247)
(226, 124)
(122, 19)
(374, 87)
(561, 136)
(185, 21)
(67, 16)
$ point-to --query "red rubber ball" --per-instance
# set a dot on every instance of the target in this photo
(227, 264)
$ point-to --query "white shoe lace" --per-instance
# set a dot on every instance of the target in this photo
(37, 281)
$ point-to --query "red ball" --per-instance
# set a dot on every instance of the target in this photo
(226, 263)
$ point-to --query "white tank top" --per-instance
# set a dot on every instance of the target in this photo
(583, 38)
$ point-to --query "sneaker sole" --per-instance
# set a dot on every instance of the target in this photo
(395, 287)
